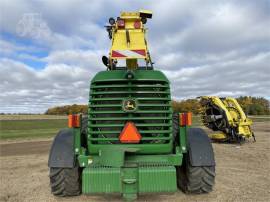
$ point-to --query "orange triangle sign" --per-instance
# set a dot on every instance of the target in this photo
(130, 134)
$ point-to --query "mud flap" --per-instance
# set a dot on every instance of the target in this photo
(200, 148)
(62, 153)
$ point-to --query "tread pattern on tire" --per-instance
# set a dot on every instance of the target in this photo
(196, 179)
(65, 181)
(176, 128)
(201, 179)
(84, 124)
(84, 131)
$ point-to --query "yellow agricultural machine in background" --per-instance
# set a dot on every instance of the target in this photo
(225, 116)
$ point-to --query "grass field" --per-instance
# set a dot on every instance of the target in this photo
(11, 129)
(38, 126)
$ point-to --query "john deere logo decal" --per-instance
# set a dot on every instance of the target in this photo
(129, 105)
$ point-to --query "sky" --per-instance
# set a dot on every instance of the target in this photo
(50, 50)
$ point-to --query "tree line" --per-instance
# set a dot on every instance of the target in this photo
(250, 105)
(67, 109)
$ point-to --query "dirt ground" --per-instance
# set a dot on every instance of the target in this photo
(243, 173)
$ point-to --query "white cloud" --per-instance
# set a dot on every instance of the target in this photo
(210, 48)
(27, 90)
(84, 58)
(232, 78)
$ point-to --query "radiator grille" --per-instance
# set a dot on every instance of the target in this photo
(152, 117)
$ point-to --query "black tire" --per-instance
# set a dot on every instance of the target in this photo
(84, 131)
(175, 129)
(65, 181)
(195, 179)
(84, 124)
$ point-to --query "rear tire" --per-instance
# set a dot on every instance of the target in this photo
(65, 181)
(195, 179)
(84, 126)
(175, 121)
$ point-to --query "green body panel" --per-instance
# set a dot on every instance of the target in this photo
(142, 149)
(157, 179)
(152, 116)
(117, 75)
(118, 161)
(183, 138)
(101, 180)
(129, 181)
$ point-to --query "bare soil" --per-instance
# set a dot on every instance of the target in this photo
(243, 173)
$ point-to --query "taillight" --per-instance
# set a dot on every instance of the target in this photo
(74, 121)
(137, 24)
(121, 23)
(185, 119)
